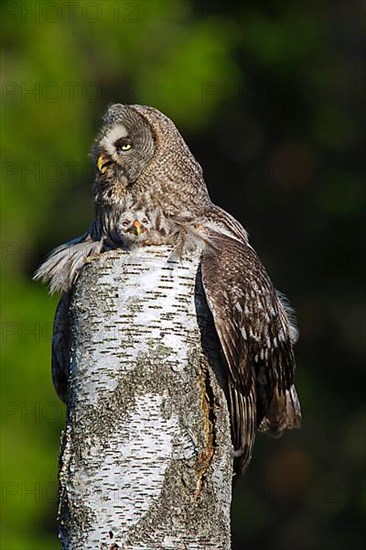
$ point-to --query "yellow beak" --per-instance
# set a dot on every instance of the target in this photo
(137, 228)
(103, 162)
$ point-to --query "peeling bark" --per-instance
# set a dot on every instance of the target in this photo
(146, 457)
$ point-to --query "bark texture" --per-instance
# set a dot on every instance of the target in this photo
(146, 457)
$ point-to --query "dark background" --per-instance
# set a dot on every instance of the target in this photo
(270, 98)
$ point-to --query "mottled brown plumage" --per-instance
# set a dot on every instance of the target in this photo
(147, 173)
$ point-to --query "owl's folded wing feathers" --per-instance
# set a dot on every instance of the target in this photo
(63, 265)
(61, 347)
(257, 340)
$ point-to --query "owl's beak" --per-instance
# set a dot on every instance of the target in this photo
(103, 162)
(137, 228)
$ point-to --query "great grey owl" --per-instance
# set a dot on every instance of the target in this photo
(149, 189)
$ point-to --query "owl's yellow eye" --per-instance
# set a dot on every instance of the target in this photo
(123, 144)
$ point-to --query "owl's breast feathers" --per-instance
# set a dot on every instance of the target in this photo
(256, 333)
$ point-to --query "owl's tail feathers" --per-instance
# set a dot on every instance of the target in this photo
(284, 413)
(243, 413)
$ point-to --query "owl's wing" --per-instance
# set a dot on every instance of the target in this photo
(61, 347)
(63, 265)
(256, 336)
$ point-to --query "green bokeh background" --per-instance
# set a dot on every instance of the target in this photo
(269, 96)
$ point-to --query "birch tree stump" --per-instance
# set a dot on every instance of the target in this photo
(146, 457)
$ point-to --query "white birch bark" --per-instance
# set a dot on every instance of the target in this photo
(146, 458)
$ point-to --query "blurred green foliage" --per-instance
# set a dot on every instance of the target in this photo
(269, 96)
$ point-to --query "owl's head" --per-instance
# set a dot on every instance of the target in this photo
(139, 153)
(125, 145)
(134, 223)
